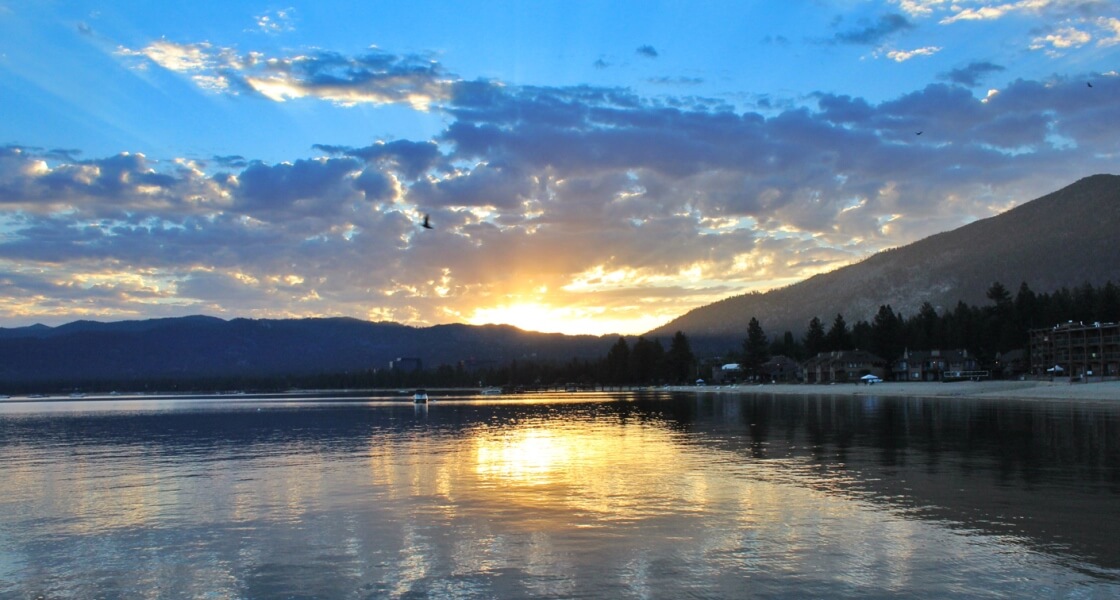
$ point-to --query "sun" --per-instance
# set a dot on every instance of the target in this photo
(569, 320)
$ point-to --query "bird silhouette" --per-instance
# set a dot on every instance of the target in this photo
(1089, 83)
(425, 224)
(918, 132)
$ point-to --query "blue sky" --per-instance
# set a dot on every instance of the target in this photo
(590, 167)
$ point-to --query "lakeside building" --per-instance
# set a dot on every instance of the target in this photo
(1011, 364)
(780, 369)
(406, 363)
(1076, 350)
(936, 365)
(844, 366)
(726, 374)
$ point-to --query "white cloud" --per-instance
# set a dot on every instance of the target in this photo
(536, 188)
(1111, 26)
(1062, 39)
(373, 78)
(982, 10)
(920, 8)
(176, 57)
(905, 55)
(983, 13)
(990, 11)
(276, 21)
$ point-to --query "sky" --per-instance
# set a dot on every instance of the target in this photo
(588, 167)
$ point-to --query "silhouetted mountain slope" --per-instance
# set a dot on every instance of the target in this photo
(1066, 238)
(193, 347)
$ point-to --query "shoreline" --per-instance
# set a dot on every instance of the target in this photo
(991, 390)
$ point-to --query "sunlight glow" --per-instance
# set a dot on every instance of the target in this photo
(537, 316)
(528, 456)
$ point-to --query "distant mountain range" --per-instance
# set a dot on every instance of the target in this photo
(1063, 239)
(206, 347)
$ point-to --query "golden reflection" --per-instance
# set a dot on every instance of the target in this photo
(544, 495)
(532, 456)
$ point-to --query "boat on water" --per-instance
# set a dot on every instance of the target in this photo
(420, 397)
(491, 391)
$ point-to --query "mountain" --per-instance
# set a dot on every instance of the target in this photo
(199, 346)
(1063, 239)
(1066, 238)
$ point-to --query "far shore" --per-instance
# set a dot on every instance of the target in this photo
(1017, 390)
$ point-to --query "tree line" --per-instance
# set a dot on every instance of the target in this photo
(985, 331)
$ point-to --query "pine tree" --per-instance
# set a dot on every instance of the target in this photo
(787, 346)
(618, 362)
(1108, 304)
(838, 336)
(645, 360)
(679, 359)
(814, 338)
(887, 339)
(756, 348)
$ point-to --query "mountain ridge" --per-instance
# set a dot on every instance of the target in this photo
(1038, 242)
(200, 346)
(1065, 238)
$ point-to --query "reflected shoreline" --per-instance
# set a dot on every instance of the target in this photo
(565, 495)
(1108, 391)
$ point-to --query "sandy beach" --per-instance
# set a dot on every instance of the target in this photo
(1018, 390)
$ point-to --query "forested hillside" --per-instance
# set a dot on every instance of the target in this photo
(1064, 239)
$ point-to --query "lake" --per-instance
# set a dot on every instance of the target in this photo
(579, 495)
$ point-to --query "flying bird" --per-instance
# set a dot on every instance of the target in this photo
(1089, 83)
(918, 132)
(425, 224)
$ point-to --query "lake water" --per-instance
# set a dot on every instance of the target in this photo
(623, 495)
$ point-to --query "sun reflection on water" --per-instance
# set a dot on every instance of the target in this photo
(465, 500)
(533, 456)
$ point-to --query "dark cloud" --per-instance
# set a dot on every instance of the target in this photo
(559, 187)
(95, 187)
(871, 34)
(485, 185)
(972, 74)
(375, 185)
(305, 187)
(412, 159)
(233, 161)
(845, 109)
(647, 51)
(676, 81)
(63, 154)
(114, 178)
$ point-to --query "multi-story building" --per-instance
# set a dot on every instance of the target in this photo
(1076, 350)
(937, 365)
(842, 367)
(780, 369)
